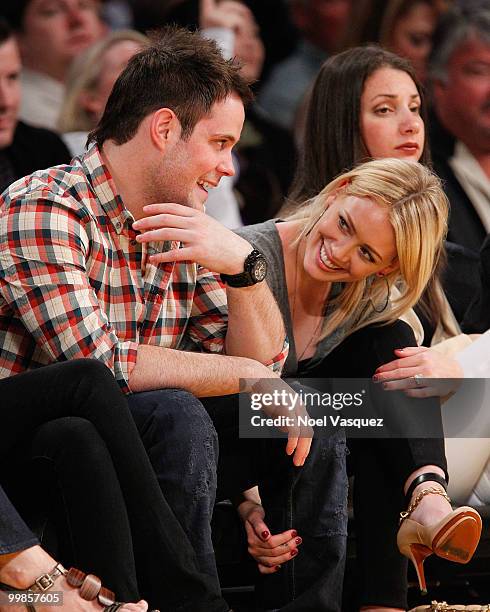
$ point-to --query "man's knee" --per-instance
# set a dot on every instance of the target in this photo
(176, 417)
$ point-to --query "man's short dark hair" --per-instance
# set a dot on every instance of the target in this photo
(459, 23)
(5, 31)
(179, 70)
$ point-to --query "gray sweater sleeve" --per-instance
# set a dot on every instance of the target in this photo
(265, 238)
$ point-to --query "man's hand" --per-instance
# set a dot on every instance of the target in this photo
(205, 240)
(269, 551)
(420, 372)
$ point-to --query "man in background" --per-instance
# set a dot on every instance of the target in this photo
(50, 34)
(23, 148)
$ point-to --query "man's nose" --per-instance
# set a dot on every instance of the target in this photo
(225, 166)
(75, 15)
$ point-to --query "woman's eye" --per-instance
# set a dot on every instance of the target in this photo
(415, 110)
(366, 254)
(343, 223)
(382, 110)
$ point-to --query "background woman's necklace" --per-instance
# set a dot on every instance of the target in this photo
(316, 331)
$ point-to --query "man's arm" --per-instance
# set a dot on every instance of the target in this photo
(202, 374)
(255, 325)
(45, 285)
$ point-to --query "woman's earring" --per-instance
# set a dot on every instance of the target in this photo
(385, 306)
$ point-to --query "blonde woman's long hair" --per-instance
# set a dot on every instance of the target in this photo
(84, 75)
(418, 211)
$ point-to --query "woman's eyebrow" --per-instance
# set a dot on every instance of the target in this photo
(369, 247)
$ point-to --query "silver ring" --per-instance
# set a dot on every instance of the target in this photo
(418, 379)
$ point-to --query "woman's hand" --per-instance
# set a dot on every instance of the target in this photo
(269, 551)
(420, 372)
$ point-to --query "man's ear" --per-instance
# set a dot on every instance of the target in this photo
(165, 128)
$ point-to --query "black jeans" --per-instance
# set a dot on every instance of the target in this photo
(74, 421)
(181, 435)
(380, 468)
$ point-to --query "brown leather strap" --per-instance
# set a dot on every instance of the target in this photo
(47, 580)
(75, 577)
(90, 587)
(106, 597)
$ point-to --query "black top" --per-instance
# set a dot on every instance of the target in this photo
(465, 226)
(34, 149)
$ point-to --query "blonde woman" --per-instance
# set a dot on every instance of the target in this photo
(335, 263)
(90, 82)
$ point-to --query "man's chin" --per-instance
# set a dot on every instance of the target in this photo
(198, 201)
(6, 137)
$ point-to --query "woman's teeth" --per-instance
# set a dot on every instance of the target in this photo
(324, 258)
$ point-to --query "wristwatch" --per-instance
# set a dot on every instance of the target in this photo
(254, 271)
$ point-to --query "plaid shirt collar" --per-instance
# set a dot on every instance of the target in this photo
(100, 178)
(105, 190)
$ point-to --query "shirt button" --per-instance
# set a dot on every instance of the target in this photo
(133, 242)
(118, 225)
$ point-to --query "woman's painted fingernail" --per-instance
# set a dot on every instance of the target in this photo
(298, 541)
(265, 535)
(294, 533)
(294, 553)
(277, 568)
(375, 378)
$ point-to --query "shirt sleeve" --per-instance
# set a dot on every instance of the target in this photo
(44, 280)
(209, 318)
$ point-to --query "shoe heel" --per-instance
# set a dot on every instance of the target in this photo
(459, 537)
(418, 553)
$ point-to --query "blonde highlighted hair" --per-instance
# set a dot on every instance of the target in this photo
(418, 210)
(84, 75)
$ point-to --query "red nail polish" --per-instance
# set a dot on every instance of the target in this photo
(294, 552)
(294, 533)
(265, 535)
(277, 568)
(298, 541)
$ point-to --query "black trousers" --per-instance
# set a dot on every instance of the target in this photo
(70, 425)
(380, 468)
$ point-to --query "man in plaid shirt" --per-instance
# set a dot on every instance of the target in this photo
(113, 257)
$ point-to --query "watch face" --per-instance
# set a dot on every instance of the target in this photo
(259, 270)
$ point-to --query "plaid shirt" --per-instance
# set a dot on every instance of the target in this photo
(74, 283)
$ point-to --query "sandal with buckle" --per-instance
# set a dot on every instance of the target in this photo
(454, 538)
(89, 586)
(444, 607)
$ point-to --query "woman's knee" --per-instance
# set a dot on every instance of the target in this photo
(70, 438)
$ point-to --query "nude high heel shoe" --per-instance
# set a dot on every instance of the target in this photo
(454, 538)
